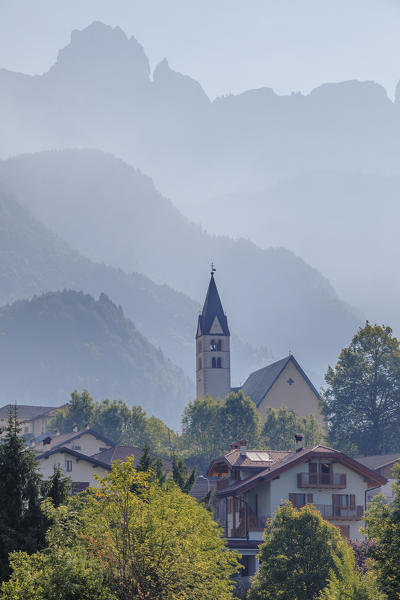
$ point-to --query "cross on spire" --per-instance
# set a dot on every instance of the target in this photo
(213, 269)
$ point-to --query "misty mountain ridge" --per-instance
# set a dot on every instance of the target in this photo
(62, 341)
(111, 212)
(100, 94)
(33, 261)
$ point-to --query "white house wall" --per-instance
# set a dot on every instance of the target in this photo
(82, 471)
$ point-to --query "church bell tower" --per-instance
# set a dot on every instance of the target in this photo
(213, 358)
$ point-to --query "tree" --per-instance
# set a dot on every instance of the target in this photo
(383, 529)
(202, 437)
(78, 411)
(281, 424)
(21, 520)
(297, 556)
(347, 583)
(181, 475)
(239, 419)
(58, 488)
(362, 400)
(158, 544)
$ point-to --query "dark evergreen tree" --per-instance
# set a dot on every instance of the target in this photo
(21, 520)
(181, 476)
(58, 488)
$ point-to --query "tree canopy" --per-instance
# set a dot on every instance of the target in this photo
(130, 538)
(362, 400)
(280, 426)
(298, 555)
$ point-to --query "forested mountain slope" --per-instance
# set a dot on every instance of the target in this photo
(112, 213)
(33, 260)
(62, 341)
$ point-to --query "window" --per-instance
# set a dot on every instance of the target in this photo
(200, 366)
(213, 346)
(300, 500)
(68, 466)
(290, 381)
(219, 345)
(26, 429)
(214, 363)
(229, 505)
(76, 447)
(343, 505)
(219, 363)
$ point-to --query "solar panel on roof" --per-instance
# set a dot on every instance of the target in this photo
(258, 456)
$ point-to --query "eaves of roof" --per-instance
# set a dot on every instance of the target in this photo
(78, 455)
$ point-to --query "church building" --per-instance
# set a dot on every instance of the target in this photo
(282, 382)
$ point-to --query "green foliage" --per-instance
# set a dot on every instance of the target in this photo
(116, 544)
(347, 583)
(117, 422)
(383, 529)
(362, 400)
(58, 488)
(210, 425)
(21, 520)
(298, 555)
(281, 424)
(181, 475)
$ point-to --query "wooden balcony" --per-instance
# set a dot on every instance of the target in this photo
(339, 513)
(321, 480)
(222, 483)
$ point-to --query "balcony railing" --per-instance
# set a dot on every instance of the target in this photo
(222, 483)
(240, 521)
(329, 511)
(321, 480)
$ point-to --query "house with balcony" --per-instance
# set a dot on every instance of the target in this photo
(252, 484)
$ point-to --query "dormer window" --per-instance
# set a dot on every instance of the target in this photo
(213, 345)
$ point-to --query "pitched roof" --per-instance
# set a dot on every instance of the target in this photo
(123, 452)
(379, 460)
(65, 450)
(236, 460)
(258, 383)
(212, 308)
(64, 438)
(27, 412)
(294, 458)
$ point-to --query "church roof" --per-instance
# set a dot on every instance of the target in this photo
(212, 308)
(258, 383)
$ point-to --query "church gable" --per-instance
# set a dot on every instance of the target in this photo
(216, 327)
(292, 388)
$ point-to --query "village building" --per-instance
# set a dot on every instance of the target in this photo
(282, 382)
(382, 464)
(34, 419)
(252, 484)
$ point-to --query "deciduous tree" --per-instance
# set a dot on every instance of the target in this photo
(362, 400)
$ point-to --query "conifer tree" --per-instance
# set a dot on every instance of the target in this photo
(58, 488)
(181, 476)
(21, 519)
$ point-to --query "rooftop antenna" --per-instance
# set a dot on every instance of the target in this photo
(213, 269)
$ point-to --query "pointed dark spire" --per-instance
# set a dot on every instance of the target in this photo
(212, 308)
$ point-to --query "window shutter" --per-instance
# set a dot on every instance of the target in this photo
(335, 504)
(313, 472)
(352, 501)
(309, 498)
(292, 498)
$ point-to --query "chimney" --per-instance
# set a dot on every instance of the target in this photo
(33, 443)
(47, 441)
(87, 425)
(57, 432)
(75, 428)
(243, 447)
(299, 441)
(235, 446)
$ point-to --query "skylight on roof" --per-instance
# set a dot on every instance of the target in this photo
(258, 456)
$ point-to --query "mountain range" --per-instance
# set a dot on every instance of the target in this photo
(62, 341)
(101, 93)
(112, 213)
(33, 260)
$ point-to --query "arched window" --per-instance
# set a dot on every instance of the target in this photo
(219, 345)
(214, 363)
(219, 363)
(200, 364)
(213, 346)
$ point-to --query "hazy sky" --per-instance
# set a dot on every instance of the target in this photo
(227, 45)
